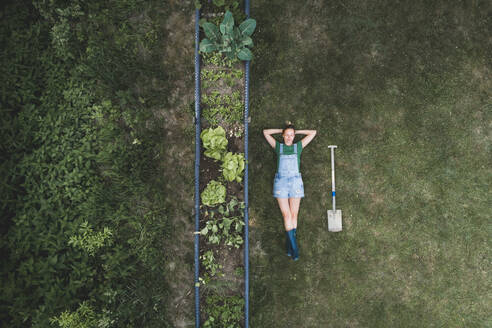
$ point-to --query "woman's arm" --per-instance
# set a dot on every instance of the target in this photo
(307, 139)
(268, 132)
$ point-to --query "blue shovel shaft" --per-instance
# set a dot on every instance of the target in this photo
(332, 147)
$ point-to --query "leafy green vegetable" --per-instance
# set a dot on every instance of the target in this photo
(227, 227)
(233, 166)
(215, 142)
(210, 263)
(229, 39)
(214, 193)
(247, 27)
(218, 107)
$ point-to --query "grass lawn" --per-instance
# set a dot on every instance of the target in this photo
(405, 91)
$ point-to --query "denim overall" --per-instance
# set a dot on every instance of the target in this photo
(288, 179)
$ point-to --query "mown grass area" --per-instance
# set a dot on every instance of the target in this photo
(404, 90)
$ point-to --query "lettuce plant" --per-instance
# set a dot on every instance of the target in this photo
(214, 193)
(214, 141)
(233, 166)
(229, 39)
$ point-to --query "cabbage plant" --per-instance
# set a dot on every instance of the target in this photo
(229, 39)
(233, 166)
(214, 141)
(213, 194)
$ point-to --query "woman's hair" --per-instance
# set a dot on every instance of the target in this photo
(288, 125)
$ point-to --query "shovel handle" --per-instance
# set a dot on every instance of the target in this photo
(332, 148)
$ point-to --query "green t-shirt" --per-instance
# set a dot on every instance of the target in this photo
(289, 150)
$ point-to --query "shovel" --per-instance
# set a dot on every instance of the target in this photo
(334, 216)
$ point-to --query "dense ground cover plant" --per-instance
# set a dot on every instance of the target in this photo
(89, 241)
(82, 214)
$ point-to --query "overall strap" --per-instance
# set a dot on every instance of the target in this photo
(282, 148)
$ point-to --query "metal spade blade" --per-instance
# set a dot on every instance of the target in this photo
(334, 216)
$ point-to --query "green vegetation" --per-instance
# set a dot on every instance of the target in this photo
(223, 107)
(224, 311)
(217, 230)
(214, 141)
(216, 60)
(209, 262)
(226, 4)
(216, 9)
(222, 83)
(226, 228)
(213, 194)
(233, 166)
(83, 317)
(89, 241)
(213, 75)
(85, 225)
(231, 40)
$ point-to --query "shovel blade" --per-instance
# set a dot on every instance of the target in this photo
(335, 220)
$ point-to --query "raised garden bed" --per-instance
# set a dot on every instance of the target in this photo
(222, 163)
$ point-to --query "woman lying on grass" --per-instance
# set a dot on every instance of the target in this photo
(287, 186)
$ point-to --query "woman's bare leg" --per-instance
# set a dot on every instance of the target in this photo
(283, 203)
(294, 204)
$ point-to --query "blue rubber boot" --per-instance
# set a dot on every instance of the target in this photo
(295, 237)
(288, 246)
(293, 244)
